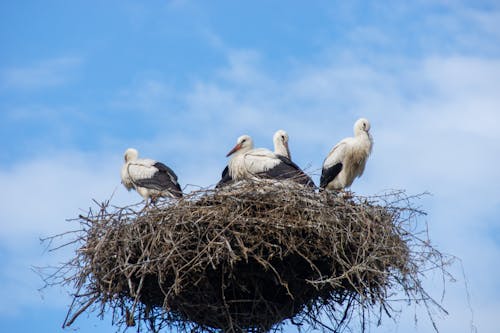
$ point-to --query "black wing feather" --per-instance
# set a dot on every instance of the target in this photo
(329, 174)
(226, 179)
(164, 179)
(163, 168)
(289, 170)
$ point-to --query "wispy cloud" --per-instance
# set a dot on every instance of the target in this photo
(49, 185)
(149, 95)
(433, 117)
(434, 128)
(44, 74)
(39, 195)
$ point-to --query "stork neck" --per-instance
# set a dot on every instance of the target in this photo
(281, 149)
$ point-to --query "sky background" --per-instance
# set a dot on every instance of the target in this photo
(81, 81)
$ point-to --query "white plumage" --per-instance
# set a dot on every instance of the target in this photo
(250, 163)
(151, 179)
(347, 159)
(280, 140)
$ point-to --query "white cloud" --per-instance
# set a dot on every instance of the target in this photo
(21, 285)
(54, 188)
(147, 95)
(434, 119)
(434, 123)
(44, 74)
(38, 197)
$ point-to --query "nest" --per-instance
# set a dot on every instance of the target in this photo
(247, 258)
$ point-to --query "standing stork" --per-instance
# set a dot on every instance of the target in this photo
(151, 179)
(250, 163)
(347, 159)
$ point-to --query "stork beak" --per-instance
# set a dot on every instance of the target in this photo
(236, 148)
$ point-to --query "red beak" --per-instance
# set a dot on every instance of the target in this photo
(237, 147)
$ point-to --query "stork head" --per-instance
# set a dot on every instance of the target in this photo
(361, 125)
(243, 144)
(131, 154)
(280, 140)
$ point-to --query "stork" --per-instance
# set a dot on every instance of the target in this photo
(280, 141)
(151, 179)
(347, 159)
(250, 163)
(282, 150)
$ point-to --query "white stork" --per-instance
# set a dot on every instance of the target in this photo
(250, 163)
(151, 179)
(280, 141)
(347, 159)
(282, 150)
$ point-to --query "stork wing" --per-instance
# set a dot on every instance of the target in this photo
(163, 168)
(141, 169)
(260, 160)
(287, 169)
(225, 178)
(157, 176)
(225, 172)
(333, 164)
(329, 174)
(336, 155)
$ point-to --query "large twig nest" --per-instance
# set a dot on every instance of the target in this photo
(249, 257)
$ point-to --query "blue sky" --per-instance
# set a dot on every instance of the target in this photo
(81, 81)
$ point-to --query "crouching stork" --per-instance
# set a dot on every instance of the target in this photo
(151, 179)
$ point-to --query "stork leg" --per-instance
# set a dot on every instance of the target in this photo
(146, 205)
(345, 194)
(150, 200)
